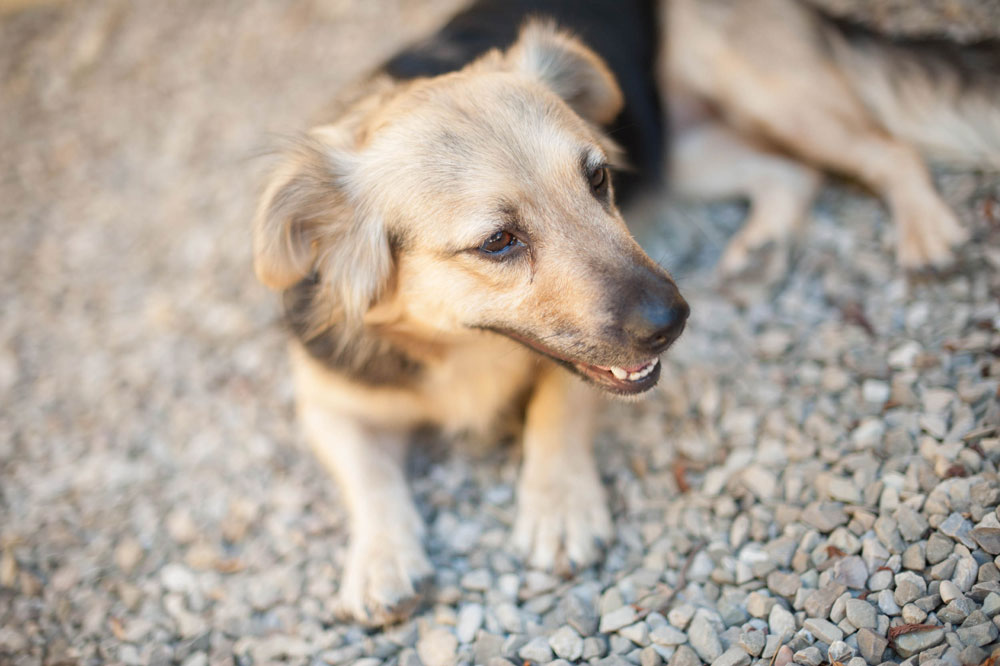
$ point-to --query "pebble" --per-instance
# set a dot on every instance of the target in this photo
(948, 591)
(536, 650)
(437, 647)
(704, 638)
(911, 643)
(958, 528)
(667, 635)
(616, 619)
(939, 547)
(752, 641)
(823, 630)
(851, 571)
(861, 614)
(734, 656)
(810, 656)
(871, 645)
(470, 619)
(566, 643)
(781, 622)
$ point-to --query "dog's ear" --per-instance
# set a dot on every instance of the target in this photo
(308, 222)
(568, 68)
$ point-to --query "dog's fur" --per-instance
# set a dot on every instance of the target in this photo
(752, 82)
(380, 229)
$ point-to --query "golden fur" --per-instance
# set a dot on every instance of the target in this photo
(376, 225)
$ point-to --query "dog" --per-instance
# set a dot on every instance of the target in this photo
(450, 252)
(754, 84)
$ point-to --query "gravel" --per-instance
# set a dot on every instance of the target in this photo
(815, 478)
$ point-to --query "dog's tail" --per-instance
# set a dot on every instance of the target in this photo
(938, 95)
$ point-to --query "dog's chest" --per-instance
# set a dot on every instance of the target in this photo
(477, 382)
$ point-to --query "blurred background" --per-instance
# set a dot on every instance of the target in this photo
(156, 503)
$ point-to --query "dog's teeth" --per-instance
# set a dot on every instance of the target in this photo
(637, 375)
(619, 373)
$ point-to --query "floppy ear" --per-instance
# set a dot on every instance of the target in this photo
(308, 222)
(568, 68)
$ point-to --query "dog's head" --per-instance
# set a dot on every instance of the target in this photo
(479, 200)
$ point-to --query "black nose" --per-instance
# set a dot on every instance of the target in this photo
(657, 319)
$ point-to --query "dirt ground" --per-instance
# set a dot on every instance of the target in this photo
(156, 501)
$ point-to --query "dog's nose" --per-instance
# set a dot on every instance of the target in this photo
(657, 319)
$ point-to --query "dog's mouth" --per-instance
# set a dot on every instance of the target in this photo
(623, 380)
(634, 379)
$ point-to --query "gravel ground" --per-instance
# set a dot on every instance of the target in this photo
(814, 480)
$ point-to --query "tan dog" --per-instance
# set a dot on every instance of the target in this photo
(750, 80)
(447, 246)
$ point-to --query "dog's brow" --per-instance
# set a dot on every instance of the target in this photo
(592, 159)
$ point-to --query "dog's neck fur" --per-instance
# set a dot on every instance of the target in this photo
(364, 355)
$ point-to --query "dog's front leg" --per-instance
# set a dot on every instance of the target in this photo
(386, 560)
(562, 514)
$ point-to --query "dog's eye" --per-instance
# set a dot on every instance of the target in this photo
(599, 180)
(500, 243)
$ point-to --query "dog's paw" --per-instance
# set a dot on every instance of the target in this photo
(382, 580)
(562, 521)
(928, 235)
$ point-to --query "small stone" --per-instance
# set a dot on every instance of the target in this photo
(580, 614)
(909, 586)
(851, 571)
(734, 656)
(823, 630)
(667, 635)
(966, 570)
(824, 516)
(912, 526)
(887, 603)
(939, 547)
(979, 635)
(871, 645)
(911, 643)
(839, 651)
(913, 557)
(680, 616)
(949, 591)
(957, 610)
(861, 614)
(650, 657)
(704, 638)
(566, 643)
(783, 584)
(638, 633)
(685, 656)
(437, 647)
(875, 391)
(536, 650)
(913, 614)
(595, 647)
(958, 528)
(752, 641)
(880, 580)
(470, 618)
(810, 656)
(616, 619)
(783, 656)
(781, 622)
(987, 534)
(759, 605)
(820, 602)
(991, 605)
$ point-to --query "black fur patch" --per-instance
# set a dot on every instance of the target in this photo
(361, 356)
(624, 33)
